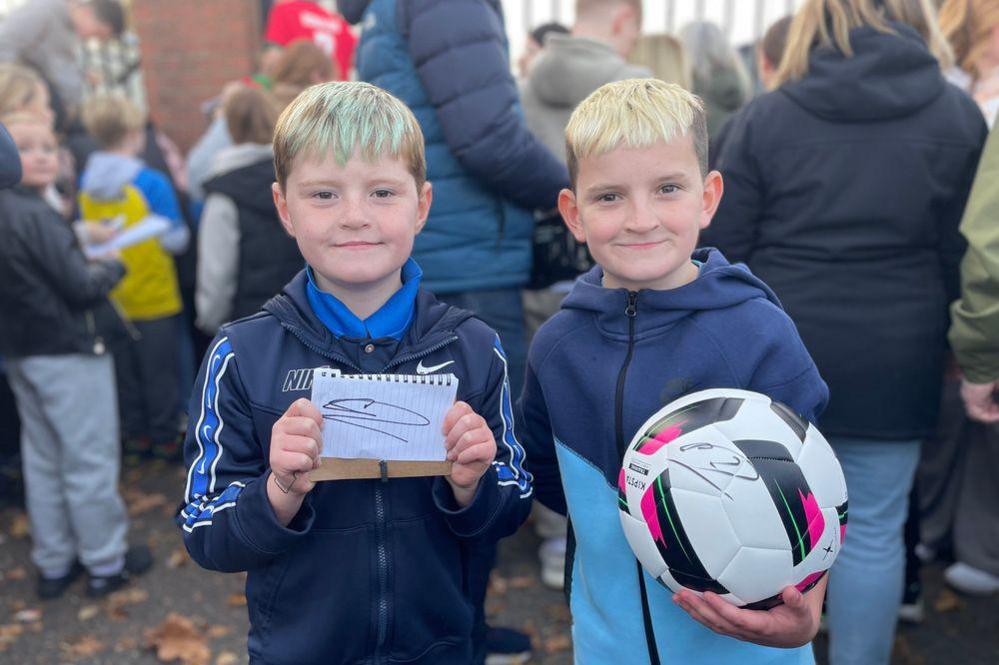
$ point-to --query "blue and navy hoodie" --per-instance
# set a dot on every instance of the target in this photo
(596, 371)
(367, 571)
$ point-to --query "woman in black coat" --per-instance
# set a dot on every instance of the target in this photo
(843, 191)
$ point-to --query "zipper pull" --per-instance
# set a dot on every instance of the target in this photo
(632, 309)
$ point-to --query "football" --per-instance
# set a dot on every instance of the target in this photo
(731, 492)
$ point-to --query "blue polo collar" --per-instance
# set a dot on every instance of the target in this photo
(391, 320)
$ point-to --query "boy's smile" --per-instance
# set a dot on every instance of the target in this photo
(639, 210)
(354, 223)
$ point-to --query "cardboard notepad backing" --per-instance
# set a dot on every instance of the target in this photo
(382, 425)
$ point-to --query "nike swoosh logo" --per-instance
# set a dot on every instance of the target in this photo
(420, 369)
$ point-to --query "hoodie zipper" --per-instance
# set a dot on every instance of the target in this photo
(631, 311)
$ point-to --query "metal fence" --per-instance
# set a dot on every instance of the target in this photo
(743, 20)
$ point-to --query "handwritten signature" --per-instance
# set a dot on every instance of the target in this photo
(720, 460)
(362, 412)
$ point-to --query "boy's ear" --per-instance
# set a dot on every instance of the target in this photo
(424, 198)
(570, 214)
(713, 190)
(281, 205)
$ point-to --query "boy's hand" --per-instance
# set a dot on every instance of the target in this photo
(792, 624)
(296, 444)
(471, 449)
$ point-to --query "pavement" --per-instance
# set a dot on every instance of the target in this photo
(179, 613)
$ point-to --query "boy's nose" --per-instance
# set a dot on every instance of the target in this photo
(641, 220)
(352, 215)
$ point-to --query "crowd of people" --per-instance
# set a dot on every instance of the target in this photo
(845, 159)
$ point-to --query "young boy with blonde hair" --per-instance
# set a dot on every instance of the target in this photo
(117, 188)
(653, 321)
(349, 571)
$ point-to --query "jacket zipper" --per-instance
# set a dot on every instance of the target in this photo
(383, 601)
(630, 311)
(381, 529)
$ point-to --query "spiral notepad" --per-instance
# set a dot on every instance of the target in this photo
(392, 417)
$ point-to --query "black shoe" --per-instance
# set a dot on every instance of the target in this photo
(50, 588)
(911, 610)
(138, 559)
(506, 646)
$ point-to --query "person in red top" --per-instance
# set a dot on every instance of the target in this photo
(289, 20)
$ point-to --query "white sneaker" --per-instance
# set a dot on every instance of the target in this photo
(552, 555)
(971, 580)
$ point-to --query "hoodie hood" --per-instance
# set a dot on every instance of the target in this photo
(719, 285)
(352, 10)
(570, 68)
(107, 174)
(244, 173)
(888, 76)
(724, 89)
(235, 157)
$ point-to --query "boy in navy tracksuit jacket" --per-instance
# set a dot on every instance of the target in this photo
(349, 571)
(649, 324)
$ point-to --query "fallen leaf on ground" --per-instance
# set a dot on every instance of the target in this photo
(88, 612)
(29, 615)
(236, 600)
(144, 503)
(128, 643)
(86, 646)
(227, 658)
(178, 639)
(19, 525)
(216, 631)
(119, 600)
(9, 634)
(16, 574)
(522, 582)
(498, 584)
(177, 558)
(948, 601)
(556, 643)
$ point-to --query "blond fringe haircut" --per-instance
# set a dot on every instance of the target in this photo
(968, 26)
(635, 113)
(111, 117)
(827, 23)
(343, 118)
(19, 87)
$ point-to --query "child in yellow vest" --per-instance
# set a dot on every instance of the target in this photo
(118, 190)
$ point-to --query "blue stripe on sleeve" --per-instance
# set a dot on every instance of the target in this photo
(201, 477)
(514, 472)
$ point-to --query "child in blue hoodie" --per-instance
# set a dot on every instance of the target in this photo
(119, 191)
(655, 320)
(349, 571)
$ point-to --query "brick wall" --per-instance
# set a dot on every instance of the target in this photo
(190, 49)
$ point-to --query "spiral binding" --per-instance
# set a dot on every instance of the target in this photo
(416, 379)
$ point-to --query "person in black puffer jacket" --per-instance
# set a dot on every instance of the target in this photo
(63, 381)
(843, 191)
(244, 254)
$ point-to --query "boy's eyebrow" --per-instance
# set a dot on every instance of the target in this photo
(328, 182)
(682, 176)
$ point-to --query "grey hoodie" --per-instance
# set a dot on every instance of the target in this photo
(564, 74)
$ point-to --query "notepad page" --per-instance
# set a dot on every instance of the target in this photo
(383, 416)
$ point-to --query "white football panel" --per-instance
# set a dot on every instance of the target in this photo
(755, 574)
(753, 515)
(757, 421)
(707, 528)
(821, 469)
